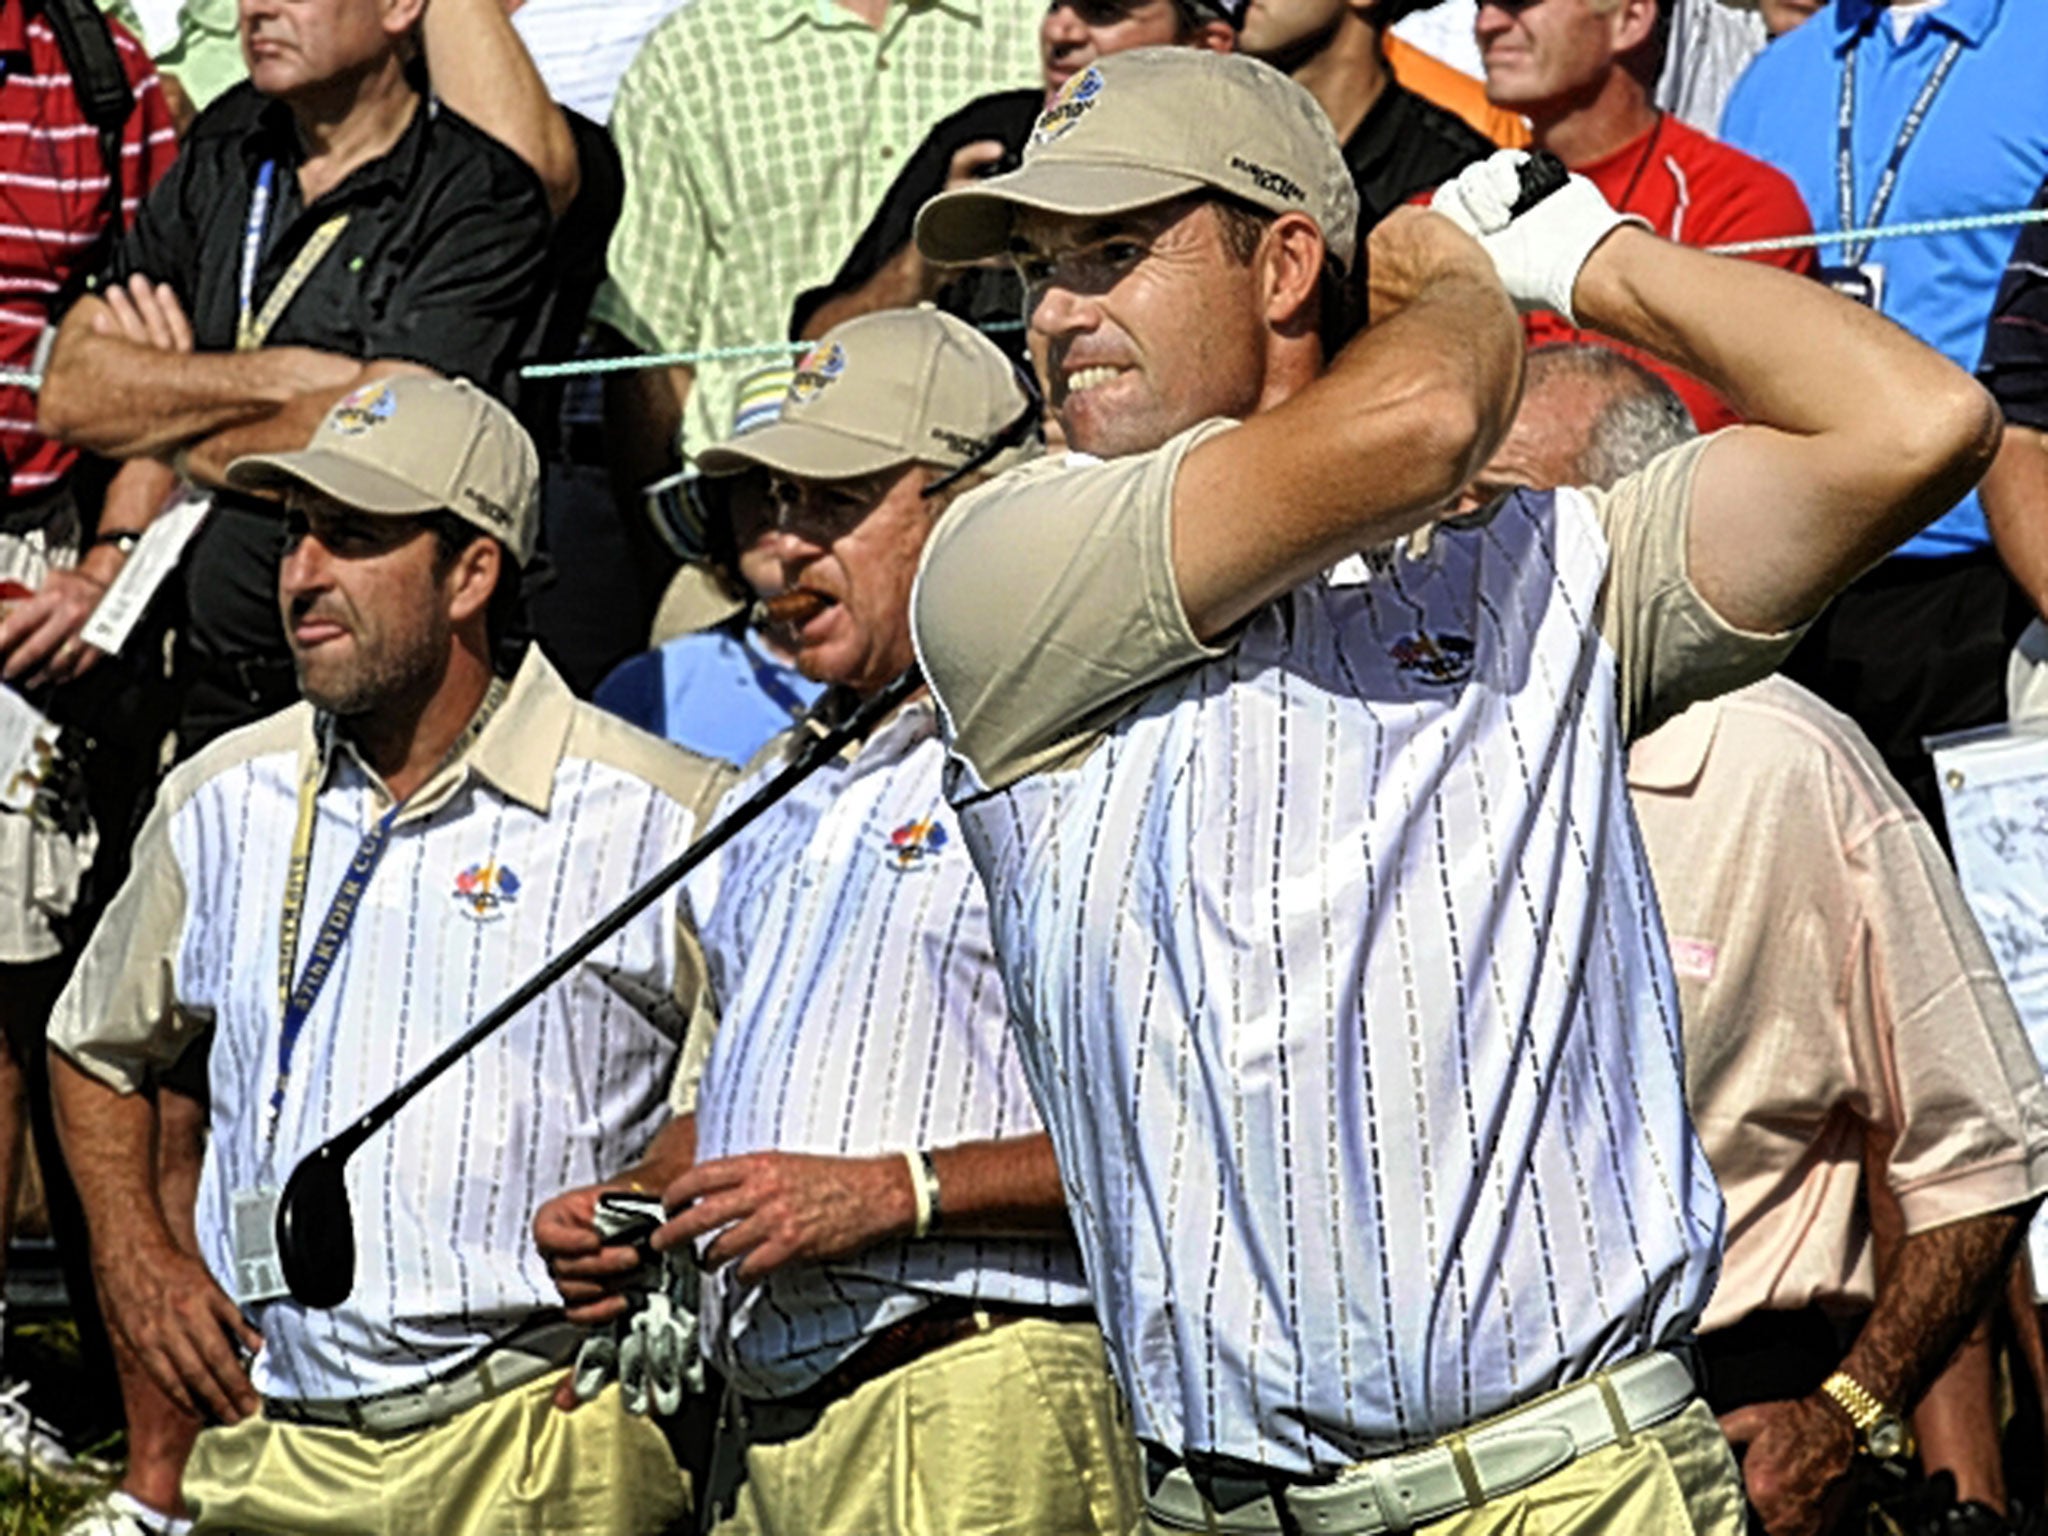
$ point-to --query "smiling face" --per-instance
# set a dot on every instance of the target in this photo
(853, 544)
(1543, 57)
(369, 610)
(294, 46)
(1147, 321)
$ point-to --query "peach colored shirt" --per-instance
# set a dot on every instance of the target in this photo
(1830, 978)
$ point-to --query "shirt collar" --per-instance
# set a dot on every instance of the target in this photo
(517, 752)
(276, 137)
(1971, 20)
(1671, 757)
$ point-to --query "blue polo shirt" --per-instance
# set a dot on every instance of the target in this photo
(1982, 149)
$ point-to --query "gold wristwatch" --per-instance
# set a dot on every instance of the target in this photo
(1881, 1431)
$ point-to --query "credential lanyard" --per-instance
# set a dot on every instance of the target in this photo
(253, 327)
(296, 1001)
(1909, 130)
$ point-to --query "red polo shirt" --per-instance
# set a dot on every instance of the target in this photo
(1696, 191)
(53, 182)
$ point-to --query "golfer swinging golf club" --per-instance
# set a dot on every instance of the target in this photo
(341, 889)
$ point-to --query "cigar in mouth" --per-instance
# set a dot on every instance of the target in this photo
(792, 609)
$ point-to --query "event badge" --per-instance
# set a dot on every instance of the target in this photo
(1863, 282)
(258, 1275)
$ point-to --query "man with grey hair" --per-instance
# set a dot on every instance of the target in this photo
(1308, 854)
(1853, 1065)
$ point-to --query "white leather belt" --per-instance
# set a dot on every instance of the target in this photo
(524, 1357)
(1459, 1472)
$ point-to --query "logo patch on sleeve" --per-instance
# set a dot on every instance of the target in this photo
(1443, 659)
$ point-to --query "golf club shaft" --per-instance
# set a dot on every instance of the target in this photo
(814, 755)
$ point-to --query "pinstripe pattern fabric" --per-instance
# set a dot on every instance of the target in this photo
(758, 135)
(846, 937)
(568, 1093)
(1339, 974)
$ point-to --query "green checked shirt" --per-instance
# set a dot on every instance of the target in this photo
(758, 136)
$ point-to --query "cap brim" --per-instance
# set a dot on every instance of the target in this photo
(803, 449)
(348, 481)
(973, 223)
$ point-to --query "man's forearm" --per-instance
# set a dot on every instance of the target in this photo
(286, 429)
(1932, 1296)
(481, 68)
(116, 398)
(109, 1147)
(2015, 496)
(1008, 1186)
(902, 282)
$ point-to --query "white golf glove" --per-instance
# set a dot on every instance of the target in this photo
(1539, 251)
(654, 1349)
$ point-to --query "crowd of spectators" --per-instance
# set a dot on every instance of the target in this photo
(278, 272)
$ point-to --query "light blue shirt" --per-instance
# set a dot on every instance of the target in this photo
(714, 692)
(1982, 149)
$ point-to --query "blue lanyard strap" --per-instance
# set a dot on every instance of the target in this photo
(252, 240)
(341, 916)
(297, 1000)
(1909, 130)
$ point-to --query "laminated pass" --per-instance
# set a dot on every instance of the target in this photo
(1994, 790)
(28, 752)
(129, 595)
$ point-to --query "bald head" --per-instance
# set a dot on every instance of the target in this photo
(1589, 416)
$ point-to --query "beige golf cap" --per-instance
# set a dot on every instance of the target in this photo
(899, 387)
(1151, 124)
(411, 445)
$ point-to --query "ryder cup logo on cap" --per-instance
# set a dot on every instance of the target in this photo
(1150, 125)
(411, 445)
(893, 388)
(1069, 106)
(821, 367)
(363, 409)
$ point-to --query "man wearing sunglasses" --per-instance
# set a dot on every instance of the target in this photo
(891, 1287)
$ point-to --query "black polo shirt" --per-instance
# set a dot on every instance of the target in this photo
(1407, 145)
(444, 262)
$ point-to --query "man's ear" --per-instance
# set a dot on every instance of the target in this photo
(1215, 37)
(1634, 23)
(1291, 264)
(402, 17)
(473, 578)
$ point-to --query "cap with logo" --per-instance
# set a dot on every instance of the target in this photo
(900, 387)
(1151, 124)
(406, 446)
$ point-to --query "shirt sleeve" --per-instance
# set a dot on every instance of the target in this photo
(1672, 649)
(1968, 1107)
(660, 247)
(1046, 606)
(2015, 364)
(119, 1017)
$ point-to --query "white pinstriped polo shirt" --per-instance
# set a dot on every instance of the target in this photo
(846, 941)
(550, 818)
(1333, 950)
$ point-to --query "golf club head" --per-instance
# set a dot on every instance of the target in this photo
(316, 1234)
